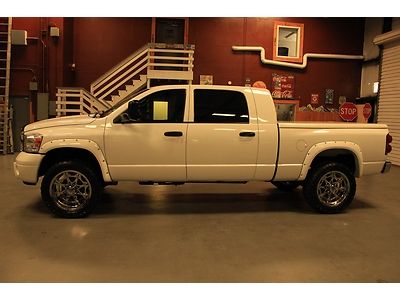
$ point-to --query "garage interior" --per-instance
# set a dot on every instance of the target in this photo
(52, 67)
(201, 233)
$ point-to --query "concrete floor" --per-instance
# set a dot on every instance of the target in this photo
(201, 233)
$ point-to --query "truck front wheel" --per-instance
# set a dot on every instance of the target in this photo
(70, 189)
(329, 188)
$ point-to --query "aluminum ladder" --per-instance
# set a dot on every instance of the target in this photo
(6, 139)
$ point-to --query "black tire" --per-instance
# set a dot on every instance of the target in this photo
(78, 188)
(329, 188)
(286, 186)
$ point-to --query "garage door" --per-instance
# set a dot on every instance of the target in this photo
(389, 96)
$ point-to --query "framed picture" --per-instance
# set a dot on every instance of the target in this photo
(329, 94)
(206, 79)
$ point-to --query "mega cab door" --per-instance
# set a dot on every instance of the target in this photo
(151, 147)
(222, 138)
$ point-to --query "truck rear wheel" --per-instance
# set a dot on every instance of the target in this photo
(70, 189)
(329, 188)
(286, 186)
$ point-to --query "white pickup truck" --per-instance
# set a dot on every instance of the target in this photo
(195, 133)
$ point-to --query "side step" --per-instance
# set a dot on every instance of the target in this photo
(160, 183)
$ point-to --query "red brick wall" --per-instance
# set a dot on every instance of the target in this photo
(97, 44)
(214, 38)
(101, 43)
(30, 62)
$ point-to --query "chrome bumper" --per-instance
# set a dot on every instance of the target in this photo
(386, 167)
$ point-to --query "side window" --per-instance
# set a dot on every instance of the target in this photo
(220, 106)
(163, 106)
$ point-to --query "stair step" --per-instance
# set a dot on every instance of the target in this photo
(115, 98)
(129, 88)
(4, 24)
(122, 93)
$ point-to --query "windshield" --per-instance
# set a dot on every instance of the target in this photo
(119, 104)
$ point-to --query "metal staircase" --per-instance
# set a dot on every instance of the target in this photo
(151, 62)
(6, 141)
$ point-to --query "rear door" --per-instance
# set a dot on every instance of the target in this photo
(222, 138)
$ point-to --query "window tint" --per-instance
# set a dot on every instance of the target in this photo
(163, 106)
(218, 106)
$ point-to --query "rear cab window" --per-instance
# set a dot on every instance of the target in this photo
(220, 106)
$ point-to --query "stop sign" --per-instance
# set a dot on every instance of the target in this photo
(348, 111)
(367, 110)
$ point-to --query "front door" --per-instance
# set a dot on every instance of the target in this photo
(151, 147)
(170, 31)
(222, 140)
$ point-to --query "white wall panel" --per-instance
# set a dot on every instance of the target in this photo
(389, 96)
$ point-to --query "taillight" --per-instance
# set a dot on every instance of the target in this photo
(389, 139)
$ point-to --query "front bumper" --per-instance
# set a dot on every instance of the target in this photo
(26, 167)
(386, 167)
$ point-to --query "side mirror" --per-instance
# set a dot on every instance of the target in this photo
(122, 119)
(133, 110)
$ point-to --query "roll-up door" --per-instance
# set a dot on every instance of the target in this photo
(389, 96)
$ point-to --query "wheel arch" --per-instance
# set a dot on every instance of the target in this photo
(78, 149)
(348, 153)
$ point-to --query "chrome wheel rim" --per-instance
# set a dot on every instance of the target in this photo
(333, 188)
(70, 190)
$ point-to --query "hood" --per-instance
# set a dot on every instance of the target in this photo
(62, 121)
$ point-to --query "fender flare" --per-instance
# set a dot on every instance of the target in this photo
(316, 149)
(83, 144)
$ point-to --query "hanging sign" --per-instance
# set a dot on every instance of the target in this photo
(314, 98)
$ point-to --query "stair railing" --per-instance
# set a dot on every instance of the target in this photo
(156, 58)
(73, 101)
(171, 62)
(114, 78)
(160, 61)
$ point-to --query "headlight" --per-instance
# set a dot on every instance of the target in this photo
(32, 142)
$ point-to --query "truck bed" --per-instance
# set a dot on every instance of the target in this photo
(331, 125)
(299, 140)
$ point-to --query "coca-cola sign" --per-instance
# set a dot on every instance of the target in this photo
(282, 86)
